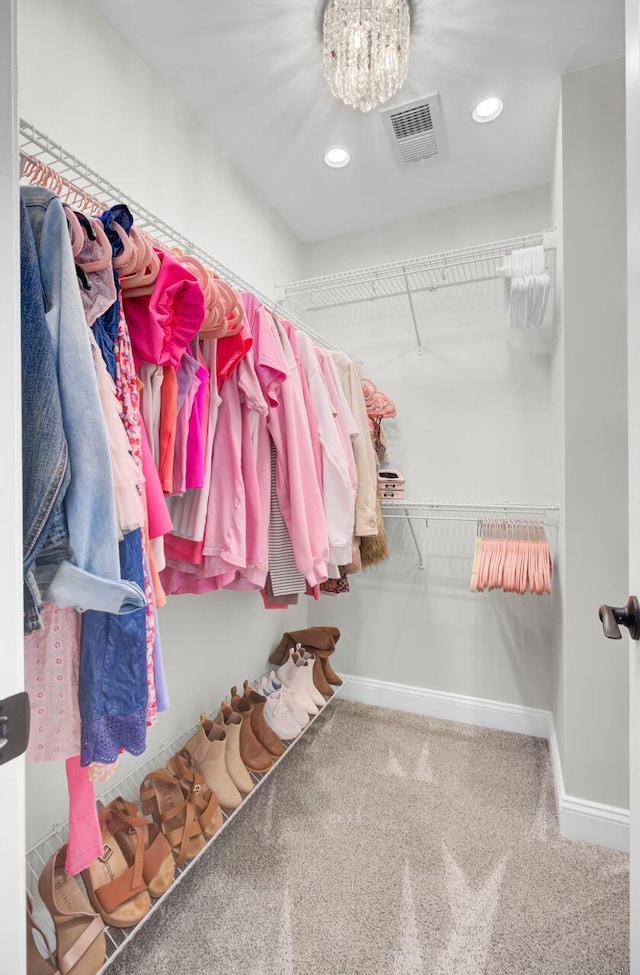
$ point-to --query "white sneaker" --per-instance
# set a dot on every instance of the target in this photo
(306, 665)
(279, 718)
(271, 686)
(293, 677)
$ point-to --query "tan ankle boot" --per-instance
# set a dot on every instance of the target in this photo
(236, 768)
(208, 748)
(265, 735)
(254, 756)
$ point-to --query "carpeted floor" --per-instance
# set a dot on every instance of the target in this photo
(391, 844)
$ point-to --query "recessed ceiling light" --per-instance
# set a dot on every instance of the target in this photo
(487, 110)
(337, 157)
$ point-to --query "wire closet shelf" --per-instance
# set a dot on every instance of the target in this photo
(437, 511)
(447, 269)
(429, 273)
(118, 938)
(38, 145)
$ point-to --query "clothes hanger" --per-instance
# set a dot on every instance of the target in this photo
(127, 255)
(77, 234)
(105, 256)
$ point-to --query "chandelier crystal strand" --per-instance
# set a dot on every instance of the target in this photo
(366, 49)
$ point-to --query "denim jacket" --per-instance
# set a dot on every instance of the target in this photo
(45, 460)
(90, 578)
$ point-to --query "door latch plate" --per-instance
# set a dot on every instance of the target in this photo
(14, 726)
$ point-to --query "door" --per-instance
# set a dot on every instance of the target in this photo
(12, 889)
(633, 262)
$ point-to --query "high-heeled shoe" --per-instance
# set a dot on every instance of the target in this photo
(80, 942)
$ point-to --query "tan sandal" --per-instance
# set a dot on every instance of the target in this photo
(164, 800)
(202, 798)
(116, 889)
(38, 964)
(80, 942)
(159, 868)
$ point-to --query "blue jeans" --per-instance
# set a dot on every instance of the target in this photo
(45, 460)
(91, 578)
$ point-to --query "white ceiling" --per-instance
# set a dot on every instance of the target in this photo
(251, 72)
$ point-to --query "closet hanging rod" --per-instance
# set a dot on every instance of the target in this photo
(428, 273)
(456, 511)
(38, 145)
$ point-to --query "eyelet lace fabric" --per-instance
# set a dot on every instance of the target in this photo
(103, 739)
(51, 662)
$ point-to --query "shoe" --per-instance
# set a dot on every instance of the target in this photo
(232, 723)
(159, 867)
(115, 887)
(319, 680)
(313, 638)
(254, 756)
(80, 942)
(208, 748)
(278, 716)
(294, 678)
(270, 685)
(262, 729)
(329, 673)
(38, 964)
(306, 666)
(177, 808)
(204, 801)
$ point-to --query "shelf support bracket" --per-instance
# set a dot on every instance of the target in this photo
(415, 540)
(413, 313)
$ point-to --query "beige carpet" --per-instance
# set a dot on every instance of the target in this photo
(390, 844)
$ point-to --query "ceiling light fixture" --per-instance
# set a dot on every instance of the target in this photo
(337, 157)
(366, 49)
(487, 110)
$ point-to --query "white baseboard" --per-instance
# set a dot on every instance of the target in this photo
(451, 707)
(579, 819)
(582, 819)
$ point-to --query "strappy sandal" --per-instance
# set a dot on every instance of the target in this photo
(116, 889)
(164, 799)
(158, 869)
(38, 964)
(202, 798)
(80, 940)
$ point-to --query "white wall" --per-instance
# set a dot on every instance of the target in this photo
(474, 424)
(87, 89)
(82, 85)
(493, 218)
(595, 671)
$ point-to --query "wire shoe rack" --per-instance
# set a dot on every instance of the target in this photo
(128, 788)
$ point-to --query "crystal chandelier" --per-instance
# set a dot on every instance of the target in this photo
(366, 49)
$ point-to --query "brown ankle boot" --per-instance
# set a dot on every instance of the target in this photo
(328, 671)
(319, 678)
(265, 735)
(254, 756)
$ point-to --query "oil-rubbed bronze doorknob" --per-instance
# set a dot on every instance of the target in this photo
(614, 616)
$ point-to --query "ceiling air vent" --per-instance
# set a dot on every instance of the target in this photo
(415, 129)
